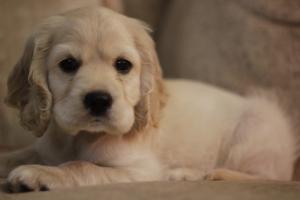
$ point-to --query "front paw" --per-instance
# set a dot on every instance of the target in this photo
(230, 175)
(222, 174)
(214, 175)
(28, 178)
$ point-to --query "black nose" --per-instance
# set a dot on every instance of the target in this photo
(98, 102)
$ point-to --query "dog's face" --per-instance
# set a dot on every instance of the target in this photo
(88, 70)
(94, 71)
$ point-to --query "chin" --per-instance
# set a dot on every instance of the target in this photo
(116, 123)
(116, 128)
(73, 128)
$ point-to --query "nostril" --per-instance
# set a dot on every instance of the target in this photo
(98, 102)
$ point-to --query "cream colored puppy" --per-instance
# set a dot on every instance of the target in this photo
(89, 85)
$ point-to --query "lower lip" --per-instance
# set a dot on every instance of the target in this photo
(97, 120)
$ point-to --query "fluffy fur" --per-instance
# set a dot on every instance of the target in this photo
(155, 130)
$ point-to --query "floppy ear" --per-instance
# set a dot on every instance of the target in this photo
(116, 5)
(27, 85)
(147, 111)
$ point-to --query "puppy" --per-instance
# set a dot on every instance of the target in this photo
(89, 85)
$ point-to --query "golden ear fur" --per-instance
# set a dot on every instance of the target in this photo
(27, 86)
(147, 112)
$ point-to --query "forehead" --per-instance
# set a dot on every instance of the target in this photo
(95, 29)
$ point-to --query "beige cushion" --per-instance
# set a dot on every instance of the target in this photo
(150, 12)
(234, 44)
(172, 190)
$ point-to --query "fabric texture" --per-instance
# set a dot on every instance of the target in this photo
(172, 190)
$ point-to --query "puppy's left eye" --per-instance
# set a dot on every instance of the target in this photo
(123, 66)
(69, 65)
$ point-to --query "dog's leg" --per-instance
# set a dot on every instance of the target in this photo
(229, 175)
(73, 174)
(11, 160)
(262, 145)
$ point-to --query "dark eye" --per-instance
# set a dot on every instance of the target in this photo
(123, 66)
(69, 65)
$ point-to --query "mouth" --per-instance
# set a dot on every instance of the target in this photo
(97, 125)
(97, 120)
(110, 124)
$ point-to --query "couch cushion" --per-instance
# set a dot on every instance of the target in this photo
(231, 43)
(172, 190)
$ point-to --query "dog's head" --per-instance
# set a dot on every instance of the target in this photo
(89, 70)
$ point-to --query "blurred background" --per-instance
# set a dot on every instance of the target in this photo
(234, 44)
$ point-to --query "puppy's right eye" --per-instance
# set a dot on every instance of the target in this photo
(69, 65)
